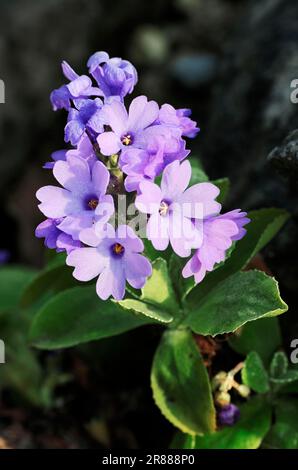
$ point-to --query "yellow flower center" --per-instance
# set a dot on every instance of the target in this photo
(127, 139)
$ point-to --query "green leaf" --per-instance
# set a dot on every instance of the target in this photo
(279, 365)
(21, 372)
(181, 285)
(13, 280)
(284, 433)
(180, 383)
(56, 276)
(262, 336)
(254, 374)
(224, 186)
(288, 378)
(243, 297)
(247, 433)
(158, 289)
(264, 225)
(146, 309)
(77, 316)
(183, 441)
(280, 373)
(198, 175)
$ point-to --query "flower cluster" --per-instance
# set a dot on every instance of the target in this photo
(115, 150)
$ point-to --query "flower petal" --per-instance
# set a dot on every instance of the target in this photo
(69, 173)
(158, 231)
(142, 113)
(175, 179)
(111, 282)
(109, 143)
(201, 198)
(116, 117)
(100, 177)
(150, 198)
(137, 269)
(88, 263)
(55, 202)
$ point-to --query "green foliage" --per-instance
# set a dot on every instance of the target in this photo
(52, 279)
(284, 433)
(279, 365)
(77, 316)
(254, 374)
(280, 373)
(180, 384)
(158, 290)
(247, 433)
(263, 336)
(22, 371)
(13, 280)
(146, 309)
(243, 297)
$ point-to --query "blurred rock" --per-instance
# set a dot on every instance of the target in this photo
(194, 69)
(285, 157)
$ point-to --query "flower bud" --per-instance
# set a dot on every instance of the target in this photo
(218, 379)
(243, 390)
(228, 415)
(222, 398)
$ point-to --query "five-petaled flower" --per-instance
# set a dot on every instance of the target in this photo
(82, 201)
(173, 208)
(114, 256)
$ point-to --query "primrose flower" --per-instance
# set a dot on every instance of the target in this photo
(172, 208)
(78, 87)
(114, 256)
(130, 129)
(84, 149)
(82, 200)
(115, 77)
(140, 165)
(87, 116)
(219, 232)
(54, 237)
(180, 118)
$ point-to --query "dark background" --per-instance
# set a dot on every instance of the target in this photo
(231, 61)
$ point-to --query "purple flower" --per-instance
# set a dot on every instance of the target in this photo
(180, 118)
(84, 150)
(4, 256)
(54, 238)
(112, 255)
(79, 87)
(129, 130)
(218, 235)
(87, 116)
(82, 200)
(228, 415)
(140, 165)
(115, 77)
(173, 207)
